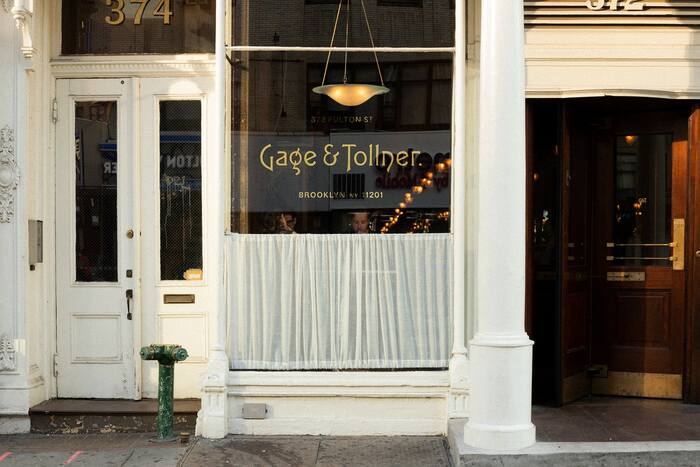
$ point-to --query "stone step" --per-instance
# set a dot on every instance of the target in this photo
(591, 459)
(81, 416)
(683, 453)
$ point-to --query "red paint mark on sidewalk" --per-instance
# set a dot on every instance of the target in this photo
(73, 457)
(5, 456)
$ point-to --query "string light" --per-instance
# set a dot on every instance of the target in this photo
(422, 224)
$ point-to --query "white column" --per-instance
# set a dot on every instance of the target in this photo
(212, 420)
(458, 362)
(501, 352)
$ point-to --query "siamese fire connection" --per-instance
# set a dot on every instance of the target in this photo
(166, 355)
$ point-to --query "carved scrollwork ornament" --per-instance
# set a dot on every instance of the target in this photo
(7, 354)
(6, 5)
(9, 174)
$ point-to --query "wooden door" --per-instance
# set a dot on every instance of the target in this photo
(177, 282)
(96, 213)
(692, 367)
(575, 258)
(640, 210)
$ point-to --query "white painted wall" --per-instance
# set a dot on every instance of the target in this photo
(22, 291)
(629, 61)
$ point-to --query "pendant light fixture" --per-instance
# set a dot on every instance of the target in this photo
(350, 94)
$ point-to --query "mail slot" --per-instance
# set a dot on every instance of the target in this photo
(626, 276)
(172, 299)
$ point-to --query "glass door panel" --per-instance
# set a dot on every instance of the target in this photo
(642, 233)
(96, 249)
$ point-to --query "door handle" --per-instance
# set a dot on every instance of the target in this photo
(679, 244)
(129, 297)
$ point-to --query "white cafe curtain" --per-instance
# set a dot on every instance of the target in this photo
(313, 302)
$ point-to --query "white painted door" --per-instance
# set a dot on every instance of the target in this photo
(176, 242)
(96, 239)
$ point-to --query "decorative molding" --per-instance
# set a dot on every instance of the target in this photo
(6, 5)
(22, 14)
(99, 67)
(7, 354)
(9, 174)
(612, 12)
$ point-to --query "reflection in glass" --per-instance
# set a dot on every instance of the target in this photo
(309, 23)
(131, 27)
(96, 191)
(642, 198)
(180, 190)
(304, 158)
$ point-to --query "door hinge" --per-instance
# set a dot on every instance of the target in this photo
(55, 364)
(54, 110)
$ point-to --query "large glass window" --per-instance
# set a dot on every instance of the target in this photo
(341, 123)
(304, 161)
(137, 26)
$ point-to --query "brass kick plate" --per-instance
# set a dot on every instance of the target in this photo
(172, 299)
(626, 276)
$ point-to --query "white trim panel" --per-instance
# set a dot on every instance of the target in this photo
(340, 403)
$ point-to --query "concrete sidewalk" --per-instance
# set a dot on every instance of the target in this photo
(134, 450)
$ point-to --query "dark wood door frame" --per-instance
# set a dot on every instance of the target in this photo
(692, 261)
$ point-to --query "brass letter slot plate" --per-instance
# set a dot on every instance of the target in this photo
(626, 276)
(172, 299)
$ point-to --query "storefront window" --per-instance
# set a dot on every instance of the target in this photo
(341, 123)
(303, 163)
(137, 26)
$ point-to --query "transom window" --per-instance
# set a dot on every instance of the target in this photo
(109, 27)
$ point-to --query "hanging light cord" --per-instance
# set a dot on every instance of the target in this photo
(347, 35)
(335, 28)
(347, 42)
(371, 39)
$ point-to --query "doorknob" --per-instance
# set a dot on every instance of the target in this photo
(129, 297)
(697, 254)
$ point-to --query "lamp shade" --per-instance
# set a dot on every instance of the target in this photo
(351, 95)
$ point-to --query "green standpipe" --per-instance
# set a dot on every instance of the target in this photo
(166, 355)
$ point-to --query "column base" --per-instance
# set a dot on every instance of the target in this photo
(14, 424)
(499, 438)
(500, 402)
(212, 418)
